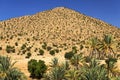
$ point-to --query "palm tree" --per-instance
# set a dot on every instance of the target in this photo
(94, 48)
(110, 65)
(93, 71)
(72, 74)
(54, 62)
(56, 73)
(8, 72)
(76, 59)
(66, 65)
(107, 46)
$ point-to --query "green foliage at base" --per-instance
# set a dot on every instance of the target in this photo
(36, 68)
(8, 72)
(94, 71)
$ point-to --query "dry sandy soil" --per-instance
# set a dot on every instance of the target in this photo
(21, 61)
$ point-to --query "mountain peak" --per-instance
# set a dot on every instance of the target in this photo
(59, 25)
(59, 8)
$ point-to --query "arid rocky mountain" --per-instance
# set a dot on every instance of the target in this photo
(50, 34)
(57, 26)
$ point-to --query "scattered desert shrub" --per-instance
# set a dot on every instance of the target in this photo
(23, 51)
(44, 45)
(49, 48)
(0, 48)
(16, 44)
(57, 50)
(65, 48)
(69, 55)
(28, 55)
(81, 47)
(54, 45)
(10, 49)
(28, 39)
(11, 37)
(20, 34)
(18, 39)
(36, 68)
(23, 46)
(28, 48)
(65, 44)
(35, 49)
(1, 37)
(41, 52)
(52, 52)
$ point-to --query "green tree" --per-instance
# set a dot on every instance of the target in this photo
(57, 73)
(93, 71)
(76, 60)
(110, 62)
(107, 46)
(94, 52)
(72, 74)
(36, 69)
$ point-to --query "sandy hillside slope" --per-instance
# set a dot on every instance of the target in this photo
(59, 28)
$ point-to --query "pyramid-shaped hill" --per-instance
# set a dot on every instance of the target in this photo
(59, 25)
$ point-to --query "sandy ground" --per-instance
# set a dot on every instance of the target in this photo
(22, 62)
